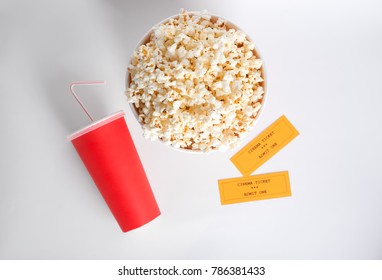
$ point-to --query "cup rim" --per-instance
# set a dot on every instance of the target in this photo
(94, 125)
(256, 51)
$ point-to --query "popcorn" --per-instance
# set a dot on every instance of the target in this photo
(196, 84)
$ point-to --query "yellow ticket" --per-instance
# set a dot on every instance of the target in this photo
(264, 146)
(258, 187)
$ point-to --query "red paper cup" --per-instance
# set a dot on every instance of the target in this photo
(109, 154)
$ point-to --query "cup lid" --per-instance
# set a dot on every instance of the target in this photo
(96, 124)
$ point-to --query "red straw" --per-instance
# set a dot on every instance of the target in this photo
(90, 83)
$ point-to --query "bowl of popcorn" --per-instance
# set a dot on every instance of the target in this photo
(196, 83)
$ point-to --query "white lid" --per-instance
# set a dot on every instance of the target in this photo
(95, 125)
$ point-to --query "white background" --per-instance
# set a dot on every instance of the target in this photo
(323, 61)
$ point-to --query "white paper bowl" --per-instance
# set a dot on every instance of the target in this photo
(146, 38)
